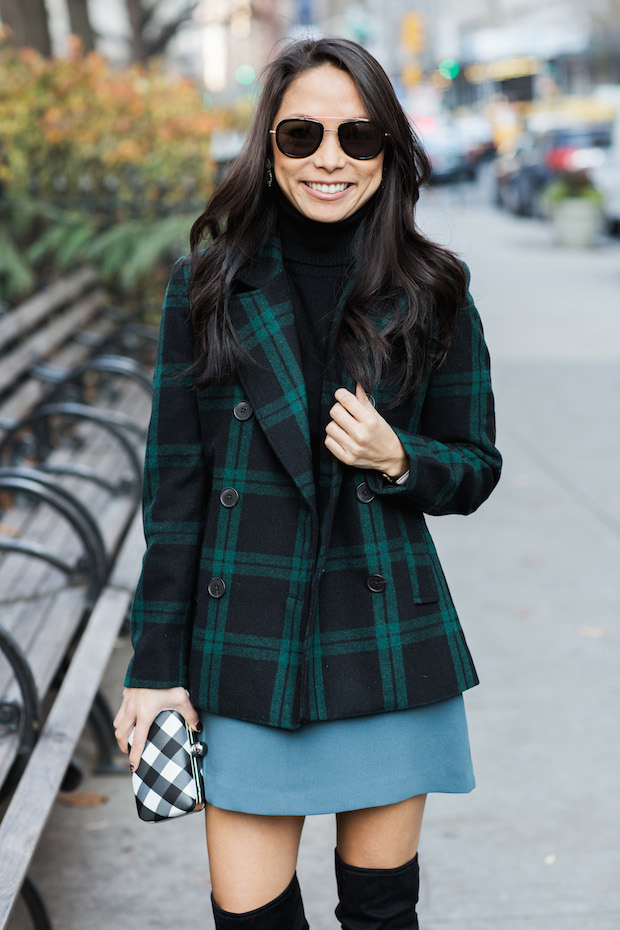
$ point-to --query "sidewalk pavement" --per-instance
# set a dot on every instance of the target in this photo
(535, 576)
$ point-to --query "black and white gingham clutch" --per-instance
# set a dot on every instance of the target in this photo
(168, 781)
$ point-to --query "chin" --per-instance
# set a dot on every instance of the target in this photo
(327, 213)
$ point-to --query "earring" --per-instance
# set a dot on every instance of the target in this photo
(269, 174)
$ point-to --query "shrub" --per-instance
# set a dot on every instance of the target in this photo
(99, 164)
(572, 184)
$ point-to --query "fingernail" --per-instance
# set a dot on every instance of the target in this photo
(198, 727)
(131, 768)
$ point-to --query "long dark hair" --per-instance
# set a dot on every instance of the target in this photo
(415, 285)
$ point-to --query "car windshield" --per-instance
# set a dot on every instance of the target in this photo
(582, 137)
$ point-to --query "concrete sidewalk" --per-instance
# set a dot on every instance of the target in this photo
(535, 576)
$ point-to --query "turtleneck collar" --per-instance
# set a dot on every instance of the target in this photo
(312, 242)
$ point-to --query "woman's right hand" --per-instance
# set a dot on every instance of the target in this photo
(139, 708)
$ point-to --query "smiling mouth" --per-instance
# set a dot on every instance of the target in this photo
(327, 188)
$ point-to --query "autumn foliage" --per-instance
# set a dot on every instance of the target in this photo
(97, 164)
(127, 142)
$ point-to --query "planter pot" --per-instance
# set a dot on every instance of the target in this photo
(576, 222)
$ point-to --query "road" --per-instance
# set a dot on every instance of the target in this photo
(535, 576)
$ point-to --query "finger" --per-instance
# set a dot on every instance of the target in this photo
(122, 728)
(349, 401)
(363, 397)
(358, 409)
(182, 704)
(138, 743)
(121, 739)
(344, 438)
(190, 715)
(343, 418)
(355, 435)
(337, 450)
(120, 714)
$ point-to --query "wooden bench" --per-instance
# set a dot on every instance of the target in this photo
(70, 546)
(54, 345)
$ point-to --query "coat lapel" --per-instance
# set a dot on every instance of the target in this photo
(264, 321)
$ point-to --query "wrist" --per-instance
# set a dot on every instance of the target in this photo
(396, 467)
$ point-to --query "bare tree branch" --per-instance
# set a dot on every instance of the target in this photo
(81, 26)
(145, 44)
(27, 20)
(150, 11)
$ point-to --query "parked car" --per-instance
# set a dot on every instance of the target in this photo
(607, 178)
(445, 147)
(477, 139)
(522, 175)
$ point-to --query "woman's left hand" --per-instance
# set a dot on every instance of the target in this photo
(359, 436)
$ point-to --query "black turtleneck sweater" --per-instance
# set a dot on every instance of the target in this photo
(316, 258)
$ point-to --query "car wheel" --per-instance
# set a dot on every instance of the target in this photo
(524, 199)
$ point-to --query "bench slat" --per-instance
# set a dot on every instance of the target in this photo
(45, 613)
(126, 571)
(58, 618)
(34, 796)
(34, 391)
(42, 305)
(39, 346)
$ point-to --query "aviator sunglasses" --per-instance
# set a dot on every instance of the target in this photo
(301, 137)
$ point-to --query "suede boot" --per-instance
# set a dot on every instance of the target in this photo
(286, 912)
(377, 899)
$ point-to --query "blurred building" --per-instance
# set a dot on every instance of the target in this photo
(236, 38)
(519, 49)
(240, 36)
(527, 49)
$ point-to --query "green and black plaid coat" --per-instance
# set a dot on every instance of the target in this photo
(267, 606)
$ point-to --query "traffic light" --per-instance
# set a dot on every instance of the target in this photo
(449, 68)
(245, 74)
(411, 74)
(414, 32)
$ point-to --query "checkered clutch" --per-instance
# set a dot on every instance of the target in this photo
(168, 781)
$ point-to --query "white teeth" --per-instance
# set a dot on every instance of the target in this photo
(327, 188)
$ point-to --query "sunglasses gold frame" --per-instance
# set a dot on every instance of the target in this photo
(317, 122)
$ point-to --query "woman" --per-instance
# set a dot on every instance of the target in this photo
(322, 381)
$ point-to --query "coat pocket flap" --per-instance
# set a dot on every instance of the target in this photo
(424, 585)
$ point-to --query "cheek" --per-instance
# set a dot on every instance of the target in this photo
(374, 178)
(375, 174)
(281, 168)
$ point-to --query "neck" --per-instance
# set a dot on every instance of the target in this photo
(311, 240)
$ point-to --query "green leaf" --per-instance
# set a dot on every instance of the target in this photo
(110, 248)
(16, 275)
(159, 241)
(75, 245)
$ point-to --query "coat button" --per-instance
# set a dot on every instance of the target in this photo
(243, 410)
(216, 587)
(376, 583)
(363, 493)
(229, 497)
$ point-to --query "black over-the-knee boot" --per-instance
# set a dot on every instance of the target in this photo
(286, 912)
(377, 899)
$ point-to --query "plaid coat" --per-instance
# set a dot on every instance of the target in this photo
(265, 604)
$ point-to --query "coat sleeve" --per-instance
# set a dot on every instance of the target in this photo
(453, 462)
(176, 485)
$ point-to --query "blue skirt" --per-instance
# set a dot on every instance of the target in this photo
(337, 765)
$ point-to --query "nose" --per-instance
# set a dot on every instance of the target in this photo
(329, 154)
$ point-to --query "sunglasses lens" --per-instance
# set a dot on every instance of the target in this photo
(360, 139)
(298, 138)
